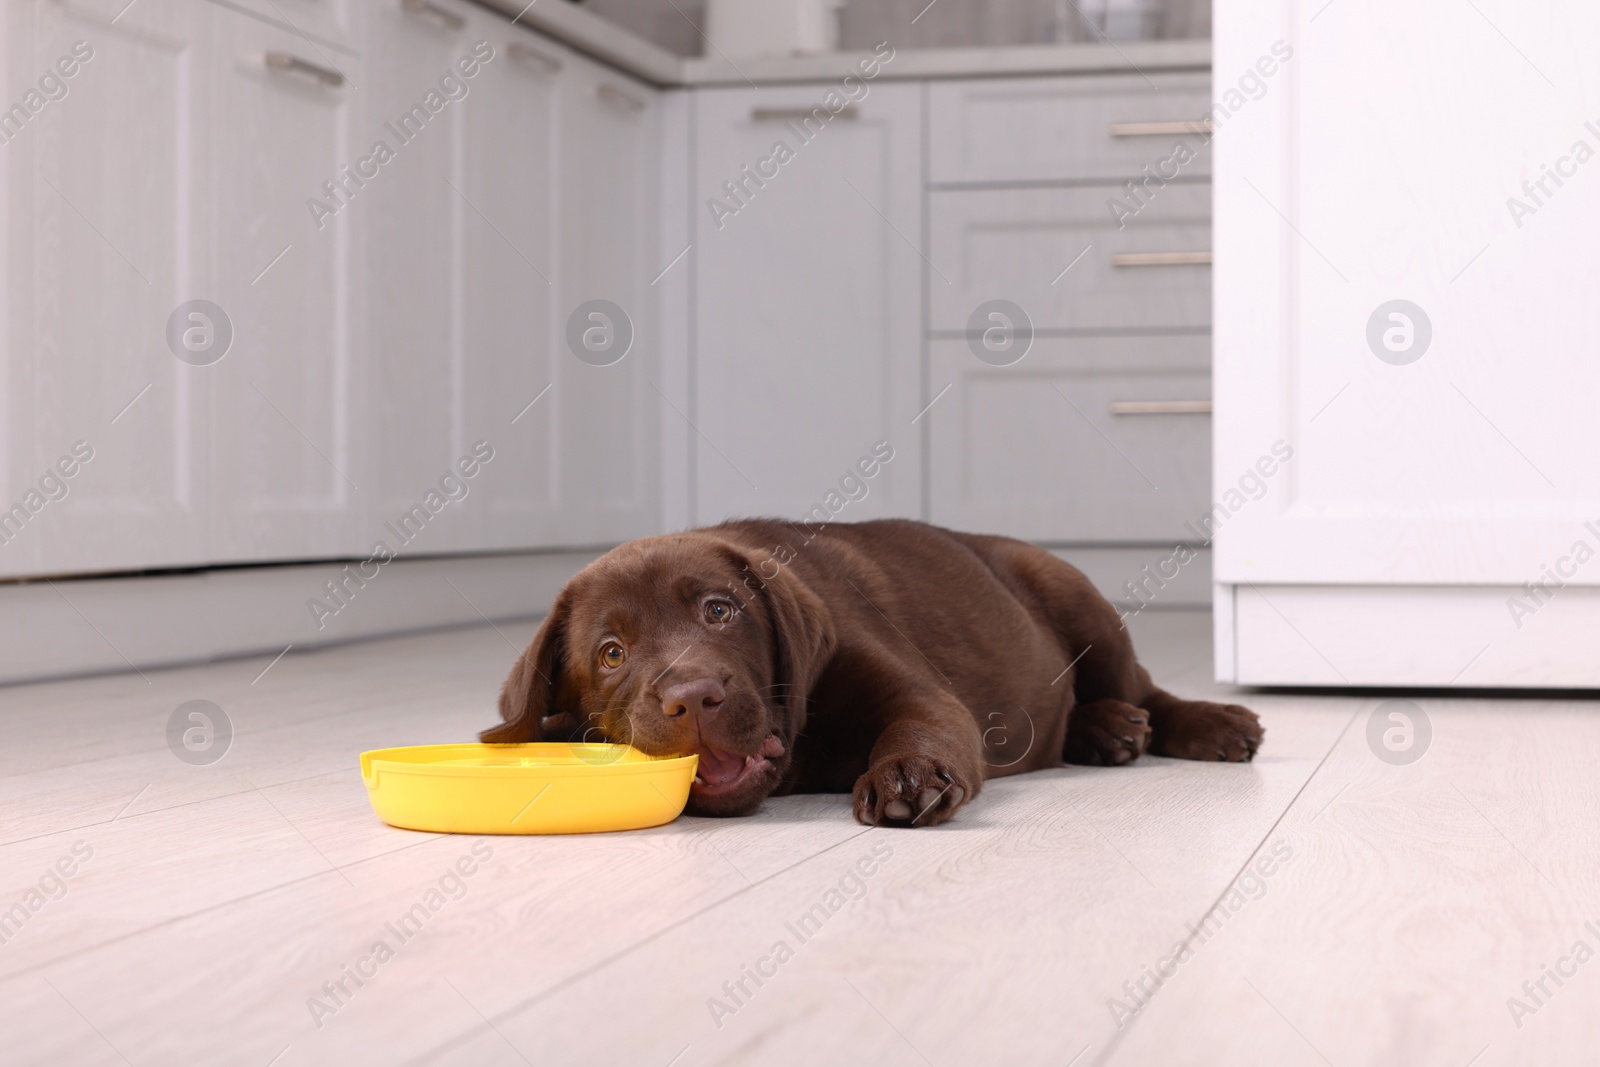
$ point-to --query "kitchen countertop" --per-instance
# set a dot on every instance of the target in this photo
(595, 37)
(1127, 57)
(575, 27)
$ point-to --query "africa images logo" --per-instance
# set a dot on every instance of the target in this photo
(1399, 732)
(199, 332)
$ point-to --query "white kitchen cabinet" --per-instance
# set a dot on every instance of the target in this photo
(606, 401)
(1093, 431)
(1086, 440)
(808, 315)
(106, 235)
(529, 193)
(289, 446)
(493, 276)
(221, 127)
(1442, 448)
(518, 202)
(510, 325)
(413, 215)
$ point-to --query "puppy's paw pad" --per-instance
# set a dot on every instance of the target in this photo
(1106, 733)
(913, 791)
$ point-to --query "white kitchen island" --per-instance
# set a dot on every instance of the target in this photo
(1408, 248)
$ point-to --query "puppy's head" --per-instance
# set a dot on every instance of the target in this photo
(676, 645)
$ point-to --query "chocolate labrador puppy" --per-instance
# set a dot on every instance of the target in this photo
(897, 661)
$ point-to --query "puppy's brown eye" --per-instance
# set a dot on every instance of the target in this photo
(718, 611)
(612, 655)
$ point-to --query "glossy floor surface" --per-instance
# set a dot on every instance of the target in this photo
(1328, 904)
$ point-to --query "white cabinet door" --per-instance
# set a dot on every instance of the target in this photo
(413, 212)
(510, 329)
(808, 324)
(1423, 343)
(463, 262)
(605, 369)
(289, 457)
(1083, 440)
(107, 235)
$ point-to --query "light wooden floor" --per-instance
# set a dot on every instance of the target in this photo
(1412, 903)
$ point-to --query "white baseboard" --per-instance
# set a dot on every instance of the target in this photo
(88, 625)
(1223, 639)
(1402, 636)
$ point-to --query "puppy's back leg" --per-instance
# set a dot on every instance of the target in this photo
(1200, 729)
(1182, 729)
(1108, 674)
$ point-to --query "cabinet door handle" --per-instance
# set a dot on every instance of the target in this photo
(613, 95)
(799, 114)
(1160, 407)
(1161, 259)
(1159, 129)
(291, 63)
(523, 54)
(449, 18)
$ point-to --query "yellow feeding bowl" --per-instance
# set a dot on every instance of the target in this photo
(542, 788)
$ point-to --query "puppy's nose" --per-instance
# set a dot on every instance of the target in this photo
(702, 696)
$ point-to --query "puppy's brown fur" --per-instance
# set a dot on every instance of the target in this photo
(894, 660)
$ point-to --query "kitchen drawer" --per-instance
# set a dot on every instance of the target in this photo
(1061, 256)
(1035, 450)
(1051, 129)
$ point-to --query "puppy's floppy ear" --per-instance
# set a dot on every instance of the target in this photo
(526, 697)
(803, 637)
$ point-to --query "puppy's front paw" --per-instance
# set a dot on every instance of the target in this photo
(909, 791)
(1199, 729)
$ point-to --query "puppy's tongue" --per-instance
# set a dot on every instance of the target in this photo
(717, 767)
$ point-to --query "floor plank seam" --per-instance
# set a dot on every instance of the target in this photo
(156, 752)
(171, 807)
(1187, 943)
(176, 919)
(549, 991)
(382, 707)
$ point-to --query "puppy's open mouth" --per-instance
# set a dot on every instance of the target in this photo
(722, 772)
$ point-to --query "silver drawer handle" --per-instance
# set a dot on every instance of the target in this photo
(523, 54)
(612, 95)
(286, 62)
(799, 114)
(1159, 129)
(1160, 407)
(449, 18)
(1161, 259)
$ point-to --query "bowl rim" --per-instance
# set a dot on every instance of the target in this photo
(385, 761)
